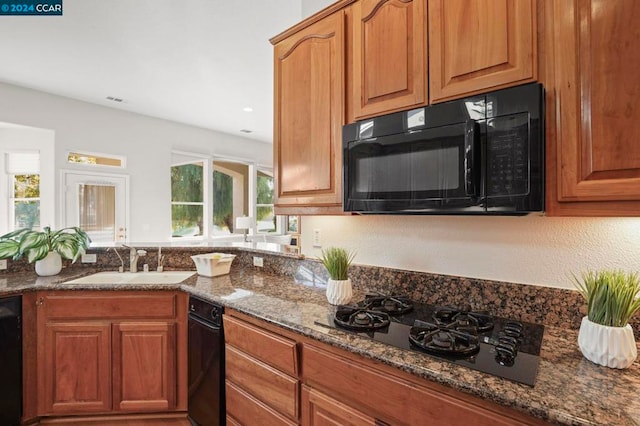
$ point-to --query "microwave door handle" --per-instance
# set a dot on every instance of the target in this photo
(471, 144)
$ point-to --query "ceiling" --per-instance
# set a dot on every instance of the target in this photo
(198, 62)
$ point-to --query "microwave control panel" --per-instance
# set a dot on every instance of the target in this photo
(507, 155)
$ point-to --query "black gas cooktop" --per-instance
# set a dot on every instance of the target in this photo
(474, 339)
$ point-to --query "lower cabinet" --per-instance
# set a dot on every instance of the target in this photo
(116, 352)
(144, 366)
(362, 387)
(319, 409)
(264, 385)
(261, 370)
(77, 368)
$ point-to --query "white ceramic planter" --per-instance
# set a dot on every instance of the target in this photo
(613, 347)
(339, 292)
(50, 265)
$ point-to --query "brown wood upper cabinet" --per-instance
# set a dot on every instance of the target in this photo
(389, 56)
(480, 45)
(592, 95)
(309, 98)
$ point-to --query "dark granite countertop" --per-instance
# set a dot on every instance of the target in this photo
(569, 389)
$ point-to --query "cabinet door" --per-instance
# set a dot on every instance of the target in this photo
(319, 409)
(144, 366)
(480, 45)
(309, 98)
(597, 88)
(389, 56)
(76, 375)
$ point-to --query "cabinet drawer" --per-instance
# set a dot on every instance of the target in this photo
(246, 410)
(64, 305)
(262, 381)
(390, 398)
(276, 351)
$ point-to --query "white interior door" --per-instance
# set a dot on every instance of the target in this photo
(97, 203)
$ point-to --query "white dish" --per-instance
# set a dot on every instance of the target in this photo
(213, 264)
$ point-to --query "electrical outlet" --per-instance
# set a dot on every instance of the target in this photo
(317, 241)
(89, 258)
(258, 261)
(3, 264)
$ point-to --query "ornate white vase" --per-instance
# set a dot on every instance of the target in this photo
(339, 292)
(613, 347)
(50, 265)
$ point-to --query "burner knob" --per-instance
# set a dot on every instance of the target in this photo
(505, 354)
(513, 328)
(506, 339)
(512, 332)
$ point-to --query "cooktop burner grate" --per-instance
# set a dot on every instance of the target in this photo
(358, 319)
(392, 305)
(441, 340)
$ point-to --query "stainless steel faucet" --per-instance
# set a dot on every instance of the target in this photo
(121, 267)
(134, 255)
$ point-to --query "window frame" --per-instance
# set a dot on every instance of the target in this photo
(11, 207)
(252, 195)
(122, 158)
(280, 223)
(207, 215)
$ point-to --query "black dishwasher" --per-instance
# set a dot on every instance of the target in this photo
(206, 363)
(10, 361)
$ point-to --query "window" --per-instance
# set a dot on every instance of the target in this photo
(95, 159)
(265, 216)
(187, 201)
(223, 222)
(230, 195)
(23, 169)
(97, 203)
(207, 196)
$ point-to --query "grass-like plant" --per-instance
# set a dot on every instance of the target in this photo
(612, 296)
(70, 243)
(337, 261)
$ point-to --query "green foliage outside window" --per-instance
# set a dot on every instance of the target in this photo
(265, 196)
(222, 200)
(26, 211)
(186, 187)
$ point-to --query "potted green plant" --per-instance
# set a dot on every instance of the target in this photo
(337, 260)
(45, 247)
(605, 336)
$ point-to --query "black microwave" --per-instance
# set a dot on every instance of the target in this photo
(479, 155)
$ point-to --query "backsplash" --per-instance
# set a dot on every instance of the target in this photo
(550, 306)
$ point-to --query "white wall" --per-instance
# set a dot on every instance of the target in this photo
(309, 7)
(529, 250)
(147, 142)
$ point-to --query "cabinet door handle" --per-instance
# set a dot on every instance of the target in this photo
(40, 301)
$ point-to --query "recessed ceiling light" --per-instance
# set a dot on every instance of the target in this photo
(246, 131)
(247, 109)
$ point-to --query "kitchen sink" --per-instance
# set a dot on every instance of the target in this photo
(169, 277)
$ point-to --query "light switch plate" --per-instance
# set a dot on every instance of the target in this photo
(317, 240)
(258, 261)
(89, 258)
(3, 264)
